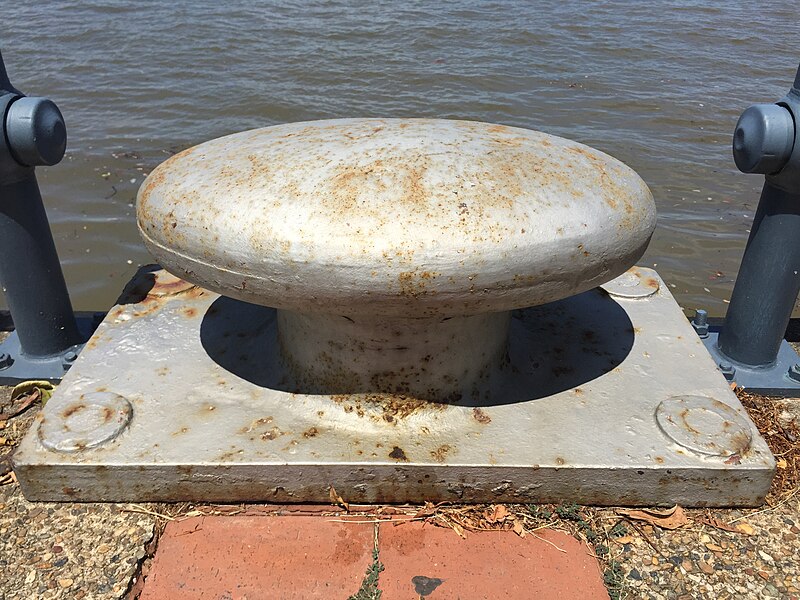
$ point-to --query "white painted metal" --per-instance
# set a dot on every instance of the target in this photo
(395, 217)
(394, 248)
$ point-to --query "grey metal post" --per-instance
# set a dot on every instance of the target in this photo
(767, 141)
(34, 134)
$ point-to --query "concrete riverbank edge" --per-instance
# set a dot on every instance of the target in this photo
(105, 551)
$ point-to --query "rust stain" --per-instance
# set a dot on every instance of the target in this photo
(683, 415)
(441, 453)
(480, 416)
(71, 410)
(398, 453)
(389, 407)
(311, 432)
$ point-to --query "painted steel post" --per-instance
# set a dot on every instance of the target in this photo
(34, 135)
(767, 141)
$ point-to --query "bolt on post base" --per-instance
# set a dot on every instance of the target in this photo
(16, 366)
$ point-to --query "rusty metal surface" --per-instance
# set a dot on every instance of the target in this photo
(572, 415)
(395, 217)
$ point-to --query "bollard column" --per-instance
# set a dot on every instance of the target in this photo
(33, 284)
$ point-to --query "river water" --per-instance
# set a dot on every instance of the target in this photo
(659, 85)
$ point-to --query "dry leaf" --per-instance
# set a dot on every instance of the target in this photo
(518, 529)
(496, 513)
(458, 529)
(672, 518)
(426, 511)
(715, 548)
(745, 528)
(25, 388)
(28, 393)
(782, 464)
(337, 499)
(719, 524)
(625, 539)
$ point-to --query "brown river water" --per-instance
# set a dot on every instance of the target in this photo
(659, 85)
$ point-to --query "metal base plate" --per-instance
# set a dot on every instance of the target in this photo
(770, 381)
(17, 367)
(609, 398)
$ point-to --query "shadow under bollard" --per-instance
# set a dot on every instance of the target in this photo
(552, 348)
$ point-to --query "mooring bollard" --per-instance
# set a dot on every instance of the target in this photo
(766, 141)
(34, 135)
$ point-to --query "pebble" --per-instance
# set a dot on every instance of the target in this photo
(65, 583)
(705, 567)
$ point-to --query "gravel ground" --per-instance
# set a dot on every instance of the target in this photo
(53, 550)
(703, 562)
(94, 551)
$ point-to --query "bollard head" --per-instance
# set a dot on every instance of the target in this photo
(395, 217)
(36, 132)
(763, 139)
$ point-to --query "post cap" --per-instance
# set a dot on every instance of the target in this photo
(763, 139)
(36, 132)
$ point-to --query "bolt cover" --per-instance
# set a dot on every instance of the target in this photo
(763, 139)
(36, 132)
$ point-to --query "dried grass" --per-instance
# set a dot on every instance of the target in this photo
(784, 441)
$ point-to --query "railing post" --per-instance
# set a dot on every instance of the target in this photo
(33, 284)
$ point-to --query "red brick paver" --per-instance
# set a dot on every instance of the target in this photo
(433, 562)
(258, 557)
(254, 558)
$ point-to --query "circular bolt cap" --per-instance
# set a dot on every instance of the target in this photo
(36, 132)
(634, 283)
(704, 425)
(763, 139)
(75, 424)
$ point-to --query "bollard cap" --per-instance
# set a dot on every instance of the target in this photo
(763, 139)
(395, 217)
(36, 132)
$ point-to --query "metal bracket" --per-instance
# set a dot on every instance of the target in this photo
(16, 366)
(781, 378)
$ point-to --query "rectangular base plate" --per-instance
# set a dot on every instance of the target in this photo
(610, 399)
